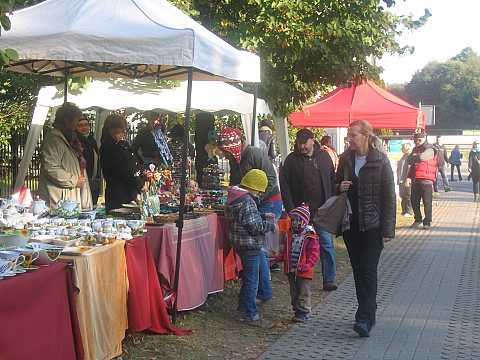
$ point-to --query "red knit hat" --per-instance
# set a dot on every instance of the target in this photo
(229, 140)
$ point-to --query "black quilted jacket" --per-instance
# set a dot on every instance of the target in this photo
(376, 191)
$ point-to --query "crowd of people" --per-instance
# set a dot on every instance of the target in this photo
(259, 193)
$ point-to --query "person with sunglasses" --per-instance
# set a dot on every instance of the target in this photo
(422, 174)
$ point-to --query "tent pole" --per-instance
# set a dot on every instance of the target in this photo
(183, 181)
(65, 87)
(254, 120)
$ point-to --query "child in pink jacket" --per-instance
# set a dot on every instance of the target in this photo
(299, 254)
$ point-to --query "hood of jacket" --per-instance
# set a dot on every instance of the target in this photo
(235, 193)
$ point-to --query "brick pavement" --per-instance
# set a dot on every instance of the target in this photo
(428, 303)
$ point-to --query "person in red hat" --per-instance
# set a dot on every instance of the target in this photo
(243, 158)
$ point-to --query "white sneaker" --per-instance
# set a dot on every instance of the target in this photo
(407, 215)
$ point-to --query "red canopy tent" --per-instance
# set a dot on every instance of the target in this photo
(367, 101)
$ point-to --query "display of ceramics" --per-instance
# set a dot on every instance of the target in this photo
(38, 207)
(17, 238)
(47, 253)
(68, 209)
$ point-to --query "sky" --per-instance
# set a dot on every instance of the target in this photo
(453, 26)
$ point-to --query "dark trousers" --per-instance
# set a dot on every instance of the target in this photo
(405, 195)
(422, 191)
(364, 249)
(458, 171)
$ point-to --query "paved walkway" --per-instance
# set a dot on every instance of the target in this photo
(428, 296)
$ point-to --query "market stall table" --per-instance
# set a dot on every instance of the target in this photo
(38, 318)
(100, 281)
(146, 307)
(201, 264)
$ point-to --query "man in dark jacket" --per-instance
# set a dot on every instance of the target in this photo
(307, 177)
(442, 163)
(422, 173)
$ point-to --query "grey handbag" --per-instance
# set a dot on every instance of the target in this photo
(334, 215)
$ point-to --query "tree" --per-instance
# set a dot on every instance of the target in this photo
(306, 46)
(453, 87)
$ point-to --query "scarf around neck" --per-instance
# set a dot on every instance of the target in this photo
(74, 143)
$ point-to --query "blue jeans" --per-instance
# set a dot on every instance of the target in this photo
(271, 207)
(247, 299)
(442, 169)
(327, 255)
(265, 291)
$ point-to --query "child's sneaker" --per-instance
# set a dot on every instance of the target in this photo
(300, 317)
(261, 323)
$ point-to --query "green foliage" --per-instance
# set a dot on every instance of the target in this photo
(307, 45)
(453, 87)
(17, 99)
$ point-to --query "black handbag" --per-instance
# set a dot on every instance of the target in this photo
(334, 214)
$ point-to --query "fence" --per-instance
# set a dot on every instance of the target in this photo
(11, 157)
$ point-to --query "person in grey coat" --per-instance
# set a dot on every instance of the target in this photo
(403, 186)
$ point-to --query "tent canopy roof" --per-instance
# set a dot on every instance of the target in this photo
(367, 101)
(214, 97)
(121, 38)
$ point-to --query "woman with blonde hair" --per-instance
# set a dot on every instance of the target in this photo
(371, 191)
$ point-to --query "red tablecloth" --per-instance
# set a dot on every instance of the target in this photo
(146, 307)
(38, 316)
(231, 261)
(201, 262)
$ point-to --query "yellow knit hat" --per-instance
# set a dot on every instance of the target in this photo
(255, 179)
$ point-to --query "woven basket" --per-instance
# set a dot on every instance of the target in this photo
(165, 218)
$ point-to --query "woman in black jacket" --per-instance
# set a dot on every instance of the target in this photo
(90, 153)
(371, 192)
(120, 165)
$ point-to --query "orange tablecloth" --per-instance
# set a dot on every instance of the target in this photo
(231, 261)
(146, 307)
(38, 319)
(100, 281)
(201, 262)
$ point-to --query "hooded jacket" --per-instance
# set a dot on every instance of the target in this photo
(246, 228)
(308, 254)
(376, 191)
(292, 180)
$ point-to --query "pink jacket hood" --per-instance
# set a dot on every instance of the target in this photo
(234, 193)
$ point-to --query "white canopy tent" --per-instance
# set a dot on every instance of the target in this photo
(213, 97)
(122, 38)
(127, 39)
